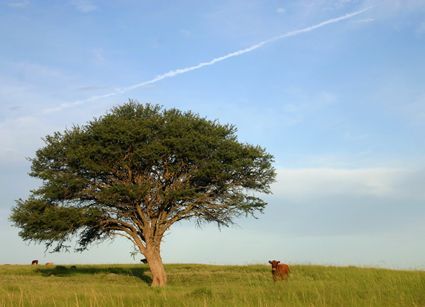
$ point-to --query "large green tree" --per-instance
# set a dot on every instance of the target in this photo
(136, 171)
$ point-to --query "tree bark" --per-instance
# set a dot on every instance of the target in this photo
(159, 278)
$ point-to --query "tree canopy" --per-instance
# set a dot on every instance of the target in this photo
(136, 171)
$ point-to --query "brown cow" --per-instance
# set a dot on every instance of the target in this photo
(34, 262)
(280, 271)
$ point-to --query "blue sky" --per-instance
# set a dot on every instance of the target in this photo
(341, 107)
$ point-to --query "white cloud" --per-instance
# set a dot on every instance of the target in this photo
(324, 215)
(330, 202)
(326, 183)
(84, 6)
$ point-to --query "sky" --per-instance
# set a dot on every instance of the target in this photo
(334, 89)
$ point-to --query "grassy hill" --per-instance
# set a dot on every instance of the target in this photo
(207, 285)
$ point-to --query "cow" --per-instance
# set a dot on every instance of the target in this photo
(34, 262)
(144, 260)
(280, 271)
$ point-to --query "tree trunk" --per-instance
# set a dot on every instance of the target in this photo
(159, 278)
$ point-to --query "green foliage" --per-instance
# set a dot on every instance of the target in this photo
(207, 285)
(49, 222)
(140, 165)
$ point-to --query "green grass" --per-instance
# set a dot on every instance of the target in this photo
(207, 285)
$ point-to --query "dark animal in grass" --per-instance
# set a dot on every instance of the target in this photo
(144, 260)
(280, 271)
(34, 262)
(73, 268)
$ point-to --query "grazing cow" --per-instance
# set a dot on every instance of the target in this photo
(34, 262)
(144, 260)
(49, 263)
(280, 271)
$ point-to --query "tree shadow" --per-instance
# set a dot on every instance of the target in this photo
(64, 271)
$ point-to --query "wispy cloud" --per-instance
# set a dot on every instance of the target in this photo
(99, 56)
(303, 105)
(84, 6)
(415, 110)
(280, 10)
(185, 32)
(337, 201)
(364, 20)
(89, 88)
(420, 30)
(315, 183)
(20, 137)
(180, 71)
(391, 7)
(19, 4)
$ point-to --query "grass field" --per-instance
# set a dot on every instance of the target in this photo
(207, 285)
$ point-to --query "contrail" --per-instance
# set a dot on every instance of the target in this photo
(179, 71)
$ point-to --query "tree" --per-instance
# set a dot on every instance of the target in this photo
(136, 171)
